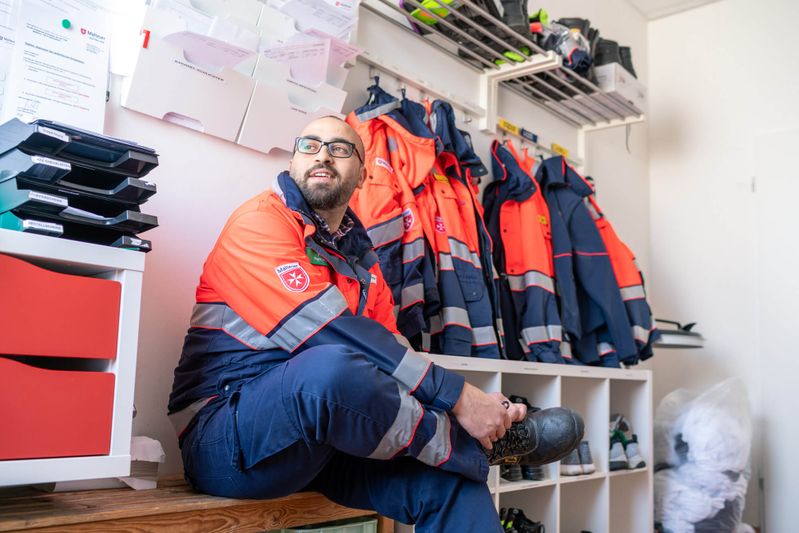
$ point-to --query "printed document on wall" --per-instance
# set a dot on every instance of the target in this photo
(7, 23)
(57, 73)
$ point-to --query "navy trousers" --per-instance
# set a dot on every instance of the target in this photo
(324, 421)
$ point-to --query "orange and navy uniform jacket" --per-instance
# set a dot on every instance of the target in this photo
(397, 162)
(592, 310)
(518, 220)
(631, 284)
(456, 141)
(271, 288)
(465, 325)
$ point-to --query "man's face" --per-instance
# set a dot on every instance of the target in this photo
(328, 182)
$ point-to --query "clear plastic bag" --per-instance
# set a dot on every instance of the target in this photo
(702, 446)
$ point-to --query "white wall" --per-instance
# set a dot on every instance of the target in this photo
(201, 180)
(723, 85)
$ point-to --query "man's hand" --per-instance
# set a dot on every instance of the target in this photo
(484, 416)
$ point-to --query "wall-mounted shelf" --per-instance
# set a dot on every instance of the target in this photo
(541, 78)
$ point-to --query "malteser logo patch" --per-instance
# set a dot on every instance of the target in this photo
(407, 219)
(293, 277)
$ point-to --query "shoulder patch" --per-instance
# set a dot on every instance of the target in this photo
(293, 277)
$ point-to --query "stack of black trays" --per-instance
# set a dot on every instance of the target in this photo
(61, 181)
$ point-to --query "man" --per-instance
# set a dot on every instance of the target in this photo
(293, 377)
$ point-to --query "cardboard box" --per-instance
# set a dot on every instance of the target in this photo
(620, 84)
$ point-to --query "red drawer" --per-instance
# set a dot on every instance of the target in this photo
(60, 315)
(53, 413)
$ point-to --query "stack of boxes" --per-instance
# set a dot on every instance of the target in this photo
(61, 181)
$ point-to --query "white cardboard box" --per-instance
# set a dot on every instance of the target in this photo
(613, 78)
(167, 86)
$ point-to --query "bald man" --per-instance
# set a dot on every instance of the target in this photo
(293, 375)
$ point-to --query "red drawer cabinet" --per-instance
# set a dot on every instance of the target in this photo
(47, 313)
(69, 328)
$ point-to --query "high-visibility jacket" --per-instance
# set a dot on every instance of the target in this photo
(588, 294)
(397, 162)
(270, 289)
(466, 325)
(631, 284)
(456, 141)
(518, 219)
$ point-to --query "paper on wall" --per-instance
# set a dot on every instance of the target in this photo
(319, 15)
(58, 73)
(340, 51)
(7, 24)
(308, 60)
(207, 51)
(122, 18)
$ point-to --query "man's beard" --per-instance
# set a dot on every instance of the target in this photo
(325, 197)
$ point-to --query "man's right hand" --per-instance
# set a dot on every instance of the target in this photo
(482, 416)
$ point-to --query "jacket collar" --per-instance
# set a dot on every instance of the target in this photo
(355, 243)
(555, 172)
(518, 185)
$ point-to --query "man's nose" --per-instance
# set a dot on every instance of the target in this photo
(323, 155)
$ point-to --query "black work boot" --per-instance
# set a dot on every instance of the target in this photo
(627, 60)
(543, 437)
(607, 51)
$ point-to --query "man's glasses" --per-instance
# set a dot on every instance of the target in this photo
(341, 149)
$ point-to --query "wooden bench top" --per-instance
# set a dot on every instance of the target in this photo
(172, 507)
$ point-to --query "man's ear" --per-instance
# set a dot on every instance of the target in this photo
(363, 176)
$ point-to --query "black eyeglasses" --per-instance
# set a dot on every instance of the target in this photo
(340, 149)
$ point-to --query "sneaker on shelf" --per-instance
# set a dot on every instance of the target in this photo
(586, 461)
(570, 465)
(544, 436)
(510, 472)
(618, 458)
(634, 458)
(618, 422)
(515, 520)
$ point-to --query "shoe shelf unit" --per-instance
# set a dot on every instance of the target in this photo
(604, 501)
(73, 405)
(540, 78)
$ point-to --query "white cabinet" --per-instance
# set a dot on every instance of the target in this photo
(602, 502)
(82, 260)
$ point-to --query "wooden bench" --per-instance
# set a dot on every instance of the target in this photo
(172, 507)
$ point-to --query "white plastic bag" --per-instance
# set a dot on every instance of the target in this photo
(702, 446)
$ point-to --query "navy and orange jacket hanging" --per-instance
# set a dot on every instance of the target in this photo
(397, 162)
(518, 220)
(589, 296)
(466, 324)
(631, 285)
(270, 289)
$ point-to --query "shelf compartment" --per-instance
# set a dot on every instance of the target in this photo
(633, 400)
(584, 506)
(627, 493)
(589, 396)
(538, 503)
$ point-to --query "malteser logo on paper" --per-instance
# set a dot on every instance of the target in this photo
(293, 277)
